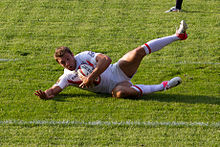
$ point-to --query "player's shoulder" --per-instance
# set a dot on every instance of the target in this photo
(87, 53)
(67, 72)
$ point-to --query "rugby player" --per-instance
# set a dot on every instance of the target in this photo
(115, 78)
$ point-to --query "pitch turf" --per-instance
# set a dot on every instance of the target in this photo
(188, 115)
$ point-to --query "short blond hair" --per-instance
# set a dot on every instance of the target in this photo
(60, 51)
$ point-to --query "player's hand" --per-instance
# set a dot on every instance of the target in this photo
(86, 82)
(41, 94)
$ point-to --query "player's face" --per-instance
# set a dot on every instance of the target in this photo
(67, 61)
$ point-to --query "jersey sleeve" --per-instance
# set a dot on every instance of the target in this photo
(62, 82)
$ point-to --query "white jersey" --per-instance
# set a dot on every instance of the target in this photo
(109, 78)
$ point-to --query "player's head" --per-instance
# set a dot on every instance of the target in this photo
(65, 57)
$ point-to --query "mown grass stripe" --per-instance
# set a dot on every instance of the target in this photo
(110, 123)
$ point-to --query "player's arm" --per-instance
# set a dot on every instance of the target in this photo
(49, 93)
(102, 63)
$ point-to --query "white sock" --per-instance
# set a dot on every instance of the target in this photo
(147, 89)
(157, 44)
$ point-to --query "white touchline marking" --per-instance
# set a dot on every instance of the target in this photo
(5, 60)
(109, 123)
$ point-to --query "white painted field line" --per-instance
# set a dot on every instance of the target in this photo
(109, 123)
(5, 60)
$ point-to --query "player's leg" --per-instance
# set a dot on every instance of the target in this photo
(130, 62)
(127, 90)
(124, 90)
(147, 89)
(179, 4)
(177, 8)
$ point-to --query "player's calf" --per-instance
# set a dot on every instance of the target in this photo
(147, 89)
(159, 43)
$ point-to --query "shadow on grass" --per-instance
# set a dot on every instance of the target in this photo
(65, 97)
(186, 11)
(199, 99)
(161, 97)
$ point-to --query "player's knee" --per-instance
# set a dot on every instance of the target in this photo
(121, 94)
(139, 52)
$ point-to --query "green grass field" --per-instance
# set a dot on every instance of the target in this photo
(188, 115)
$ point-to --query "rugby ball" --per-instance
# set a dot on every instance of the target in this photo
(85, 70)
